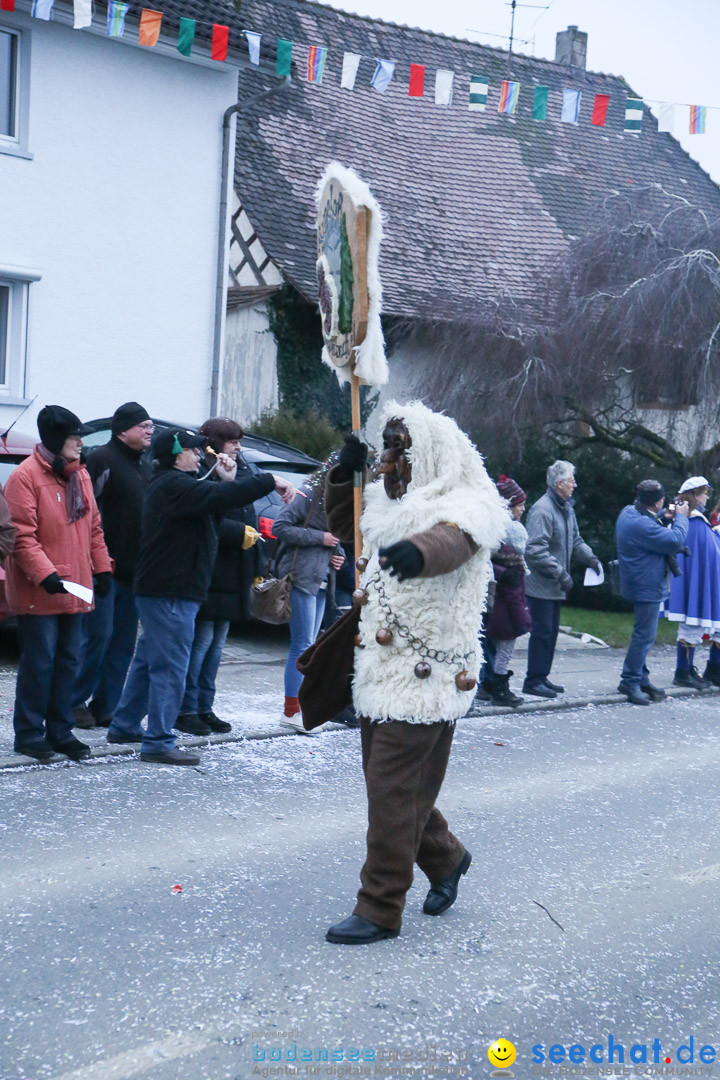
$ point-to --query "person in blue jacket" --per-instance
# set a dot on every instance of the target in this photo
(645, 549)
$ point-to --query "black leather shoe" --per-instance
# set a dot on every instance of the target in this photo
(83, 717)
(41, 751)
(358, 931)
(102, 721)
(556, 687)
(653, 692)
(538, 689)
(215, 723)
(172, 757)
(123, 737)
(72, 748)
(692, 679)
(633, 693)
(191, 724)
(711, 673)
(444, 894)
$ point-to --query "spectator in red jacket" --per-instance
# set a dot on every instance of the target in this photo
(59, 536)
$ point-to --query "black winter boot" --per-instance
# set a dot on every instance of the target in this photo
(712, 673)
(502, 694)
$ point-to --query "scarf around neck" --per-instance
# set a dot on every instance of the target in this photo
(69, 471)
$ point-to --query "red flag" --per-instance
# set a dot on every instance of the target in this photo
(7, 5)
(417, 80)
(600, 109)
(219, 42)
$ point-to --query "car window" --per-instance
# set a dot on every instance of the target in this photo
(96, 438)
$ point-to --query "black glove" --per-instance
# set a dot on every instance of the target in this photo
(595, 564)
(102, 583)
(52, 584)
(353, 456)
(403, 560)
(566, 581)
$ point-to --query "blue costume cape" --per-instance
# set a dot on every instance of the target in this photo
(695, 596)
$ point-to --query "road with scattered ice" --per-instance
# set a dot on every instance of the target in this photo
(607, 817)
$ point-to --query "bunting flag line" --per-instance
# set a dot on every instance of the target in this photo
(666, 117)
(509, 94)
(417, 80)
(351, 62)
(697, 119)
(116, 18)
(41, 9)
(633, 116)
(600, 108)
(316, 63)
(283, 57)
(570, 106)
(253, 41)
(219, 46)
(444, 86)
(540, 102)
(149, 30)
(479, 87)
(186, 36)
(383, 75)
(7, 5)
(82, 14)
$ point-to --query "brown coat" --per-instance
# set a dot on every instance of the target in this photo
(7, 529)
(47, 543)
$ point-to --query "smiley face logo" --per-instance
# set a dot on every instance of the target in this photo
(501, 1054)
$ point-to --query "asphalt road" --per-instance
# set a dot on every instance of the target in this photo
(606, 816)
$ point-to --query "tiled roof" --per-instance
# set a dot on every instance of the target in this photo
(476, 203)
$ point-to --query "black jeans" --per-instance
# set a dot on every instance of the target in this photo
(46, 675)
(543, 636)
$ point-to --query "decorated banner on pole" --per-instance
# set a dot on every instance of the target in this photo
(349, 233)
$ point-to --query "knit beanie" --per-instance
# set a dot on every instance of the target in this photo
(648, 492)
(55, 424)
(127, 416)
(510, 490)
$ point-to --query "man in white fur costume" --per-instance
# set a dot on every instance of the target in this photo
(429, 526)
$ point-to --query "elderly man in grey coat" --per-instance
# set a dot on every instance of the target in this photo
(554, 540)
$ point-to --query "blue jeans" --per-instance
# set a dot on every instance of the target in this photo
(205, 660)
(635, 671)
(307, 613)
(45, 678)
(110, 634)
(156, 680)
(543, 638)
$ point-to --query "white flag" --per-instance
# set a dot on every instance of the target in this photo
(253, 41)
(570, 106)
(82, 14)
(666, 118)
(351, 62)
(444, 86)
(383, 74)
(41, 9)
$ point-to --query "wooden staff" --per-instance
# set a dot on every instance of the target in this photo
(361, 235)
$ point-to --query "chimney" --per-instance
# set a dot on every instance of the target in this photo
(571, 47)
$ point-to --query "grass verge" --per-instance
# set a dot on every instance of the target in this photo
(613, 627)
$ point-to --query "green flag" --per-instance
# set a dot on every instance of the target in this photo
(540, 103)
(186, 36)
(284, 57)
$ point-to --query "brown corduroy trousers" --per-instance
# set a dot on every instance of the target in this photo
(404, 766)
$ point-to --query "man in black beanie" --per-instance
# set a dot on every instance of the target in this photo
(119, 477)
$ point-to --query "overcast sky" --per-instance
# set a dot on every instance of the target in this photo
(666, 49)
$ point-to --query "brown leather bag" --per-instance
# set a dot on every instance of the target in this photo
(327, 667)
(271, 599)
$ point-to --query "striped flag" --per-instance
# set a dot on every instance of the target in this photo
(283, 57)
(116, 18)
(570, 106)
(509, 94)
(351, 63)
(540, 102)
(697, 119)
(41, 9)
(600, 108)
(253, 41)
(186, 36)
(383, 75)
(633, 116)
(316, 63)
(219, 45)
(479, 86)
(149, 31)
(82, 14)
(444, 86)
(417, 80)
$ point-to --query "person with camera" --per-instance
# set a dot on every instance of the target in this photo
(647, 550)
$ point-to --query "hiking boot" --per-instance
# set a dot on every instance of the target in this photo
(214, 722)
(191, 724)
(692, 679)
(711, 673)
(502, 694)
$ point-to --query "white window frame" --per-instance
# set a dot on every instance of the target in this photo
(17, 144)
(18, 280)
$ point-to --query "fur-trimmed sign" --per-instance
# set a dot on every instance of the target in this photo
(349, 231)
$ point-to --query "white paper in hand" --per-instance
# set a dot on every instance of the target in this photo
(592, 578)
(81, 591)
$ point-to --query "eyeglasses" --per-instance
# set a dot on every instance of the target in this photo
(147, 426)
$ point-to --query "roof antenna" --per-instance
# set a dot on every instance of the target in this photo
(514, 4)
(4, 435)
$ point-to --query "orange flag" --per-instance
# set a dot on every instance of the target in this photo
(149, 27)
